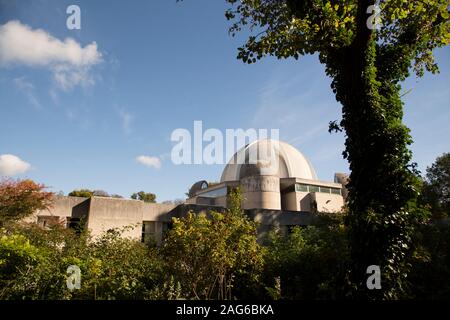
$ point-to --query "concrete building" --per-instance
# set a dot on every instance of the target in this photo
(140, 220)
(279, 187)
(272, 175)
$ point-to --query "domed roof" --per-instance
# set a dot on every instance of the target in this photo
(268, 157)
(199, 185)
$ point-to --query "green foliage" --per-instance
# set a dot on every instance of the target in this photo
(309, 262)
(84, 193)
(167, 290)
(205, 258)
(235, 200)
(366, 66)
(113, 277)
(15, 250)
(87, 193)
(431, 264)
(34, 262)
(289, 28)
(143, 196)
(215, 256)
(436, 187)
(200, 258)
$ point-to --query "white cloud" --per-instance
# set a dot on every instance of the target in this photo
(11, 165)
(149, 161)
(68, 60)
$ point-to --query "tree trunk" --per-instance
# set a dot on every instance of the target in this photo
(381, 183)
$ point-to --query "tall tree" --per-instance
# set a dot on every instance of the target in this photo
(367, 65)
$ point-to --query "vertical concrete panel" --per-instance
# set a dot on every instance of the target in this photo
(63, 207)
(261, 192)
(109, 213)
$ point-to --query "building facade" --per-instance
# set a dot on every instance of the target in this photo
(272, 175)
(278, 183)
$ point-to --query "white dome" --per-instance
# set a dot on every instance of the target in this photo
(254, 159)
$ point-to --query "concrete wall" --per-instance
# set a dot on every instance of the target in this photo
(297, 201)
(303, 201)
(64, 207)
(102, 214)
(157, 212)
(221, 201)
(109, 213)
(328, 202)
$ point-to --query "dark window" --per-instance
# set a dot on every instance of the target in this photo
(148, 231)
(336, 191)
(301, 187)
(325, 190)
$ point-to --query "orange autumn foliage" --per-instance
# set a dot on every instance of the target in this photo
(20, 198)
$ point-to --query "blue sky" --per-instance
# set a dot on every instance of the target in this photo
(158, 66)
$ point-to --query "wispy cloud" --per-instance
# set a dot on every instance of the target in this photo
(11, 165)
(54, 96)
(69, 62)
(126, 119)
(309, 134)
(301, 115)
(301, 105)
(149, 161)
(27, 88)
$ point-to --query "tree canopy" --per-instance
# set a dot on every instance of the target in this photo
(87, 193)
(436, 188)
(408, 30)
(144, 196)
(21, 198)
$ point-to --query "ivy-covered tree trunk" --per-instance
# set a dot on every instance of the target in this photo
(381, 181)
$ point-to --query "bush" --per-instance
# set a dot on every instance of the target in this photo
(213, 257)
(309, 263)
(34, 262)
(430, 274)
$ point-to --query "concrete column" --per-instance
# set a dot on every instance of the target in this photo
(261, 192)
